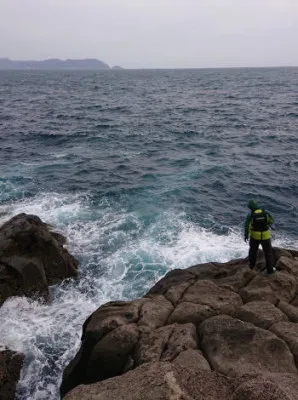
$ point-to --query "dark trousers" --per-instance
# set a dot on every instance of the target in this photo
(267, 249)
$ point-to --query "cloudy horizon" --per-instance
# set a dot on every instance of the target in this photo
(151, 33)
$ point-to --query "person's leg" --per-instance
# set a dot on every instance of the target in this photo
(252, 254)
(267, 248)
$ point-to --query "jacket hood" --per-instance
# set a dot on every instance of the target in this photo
(253, 205)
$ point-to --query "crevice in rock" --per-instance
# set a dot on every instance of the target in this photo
(181, 297)
(182, 294)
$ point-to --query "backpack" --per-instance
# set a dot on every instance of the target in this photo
(259, 221)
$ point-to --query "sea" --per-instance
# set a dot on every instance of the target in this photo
(143, 171)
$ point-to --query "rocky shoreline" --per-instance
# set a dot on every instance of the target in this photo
(32, 258)
(211, 331)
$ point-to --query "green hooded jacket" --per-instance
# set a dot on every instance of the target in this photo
(255, 207)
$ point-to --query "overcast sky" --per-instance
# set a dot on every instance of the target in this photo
(153, 33)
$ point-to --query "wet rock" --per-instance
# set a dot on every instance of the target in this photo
(32, 258)
(112, 326)
(11, 364)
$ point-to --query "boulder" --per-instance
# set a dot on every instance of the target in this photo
(11, 364)
(260, 313)
(235, 348)
(115, 316)
(289, 310)
(32, 257)
(288, 331)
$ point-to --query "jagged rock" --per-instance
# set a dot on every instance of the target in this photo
(158, 381)
(31, 258)
(11, 364)
(235, 348)
(261, 313)
(210, 316)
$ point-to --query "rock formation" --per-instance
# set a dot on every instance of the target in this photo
(32, 257)
(10, 367)
(212, 331)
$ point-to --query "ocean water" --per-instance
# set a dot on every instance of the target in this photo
(143, 172)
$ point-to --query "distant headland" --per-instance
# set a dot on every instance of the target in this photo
(55, 64)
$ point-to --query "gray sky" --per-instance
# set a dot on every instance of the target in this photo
(153, 33)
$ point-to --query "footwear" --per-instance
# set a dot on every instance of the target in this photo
(273, 270)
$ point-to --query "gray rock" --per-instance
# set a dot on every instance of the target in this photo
(235, 348)
(261, 313)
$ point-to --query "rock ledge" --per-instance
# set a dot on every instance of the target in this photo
(212, 331)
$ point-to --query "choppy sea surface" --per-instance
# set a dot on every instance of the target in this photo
(143, 172)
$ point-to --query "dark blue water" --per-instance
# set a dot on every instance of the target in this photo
(143, 171)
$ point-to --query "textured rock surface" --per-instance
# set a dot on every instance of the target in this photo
(31, 258)
(10, 367)
(261, 313)
(158, 381)
(210, 331)
(234, 348)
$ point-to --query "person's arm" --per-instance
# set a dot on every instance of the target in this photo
(246, 226)
(270, 218)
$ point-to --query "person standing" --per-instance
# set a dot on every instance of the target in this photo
(257, 230)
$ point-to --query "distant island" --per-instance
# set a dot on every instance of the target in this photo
(54, 64)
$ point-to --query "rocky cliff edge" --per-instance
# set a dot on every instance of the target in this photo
(212, 331)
